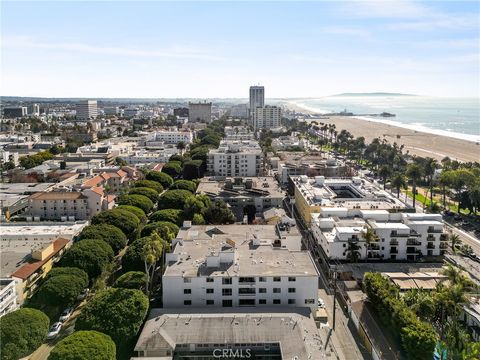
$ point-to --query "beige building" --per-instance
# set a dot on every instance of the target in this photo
(267, 117)
(200, 112)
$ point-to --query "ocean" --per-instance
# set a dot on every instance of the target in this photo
(454, 117)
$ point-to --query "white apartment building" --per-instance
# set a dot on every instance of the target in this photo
(8, 296)
(16, 232)
(69, 205)
(235, 158)
(86, 110)
(398, 236)
(257, 99)
(267, 117)
(238, 133)
(237, 266)
(168, 137)
(145, 157)
(200, 112)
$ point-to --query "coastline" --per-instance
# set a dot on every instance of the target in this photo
(417, 142)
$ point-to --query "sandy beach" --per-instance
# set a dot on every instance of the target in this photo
(416, 142)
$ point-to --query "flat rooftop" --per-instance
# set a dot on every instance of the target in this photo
(261, 187)
(201, 241)
(24, 188)
(32, 229)
(294, 331)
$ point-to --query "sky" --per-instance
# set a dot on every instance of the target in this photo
(157, 49)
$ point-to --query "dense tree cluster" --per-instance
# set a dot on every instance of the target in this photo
(111, 234)
(149, 184)
(31, 161)
(145, 191)
(136, 200)
(162, 178)
(132, 280)
(124, 220)
(172, 215)
(84, 345)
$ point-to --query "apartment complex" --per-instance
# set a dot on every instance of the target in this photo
(235, 158)
(238, 133)
(200, 112)
(237, 266)
(267, 117)
(244, 195)
(257, 99)
(168, 137)
(8, 296)
(15, 112)
(337, 195)
(397, 236)
(295, 165)
(86, 110)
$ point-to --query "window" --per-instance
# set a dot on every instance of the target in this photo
(187, 280)
(209, 280)
(291, 278)
(227, 303)
(210, 302)
(262, 290)
(292, 301)
(309, 301)
(246, 302)
(187, 291)
(246, 291)
(246, 280)
(292, 290)
(277, 290)
(262, 302)
(262, 279)
(277, 279)
(277, 301)
(227, 281)
(209, 291)
(187, 302)
(227, 292)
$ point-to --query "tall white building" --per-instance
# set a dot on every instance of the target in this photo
(169, 137)
(87, 109)
(235, 158)
(200, 112)
(257, 99)
(236, 266)
(267, 117)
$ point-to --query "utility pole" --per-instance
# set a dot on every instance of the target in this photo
(334, 295)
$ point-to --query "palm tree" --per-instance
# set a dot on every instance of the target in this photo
(429, 170)
(181, 146)
(384, 173)
(398, 182)
(152, 253)
(454, 241)
(369, 236)
(414, 172)
(353, 253)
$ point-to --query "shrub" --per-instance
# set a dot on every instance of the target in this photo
(160, 177)
(145, 191)
(172, 168)
(111, 234)
(219, 213)
(124, 220)
(173, 199)
(171, 215)
(118, 313)
(139, 213)
(92, 256)
(149, 184)
(165, 229)
(198, 219)
(139, 201)
(84, 345)
(132, 280)
(21, 332)
(184, 185)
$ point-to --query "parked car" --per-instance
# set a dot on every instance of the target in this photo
(321, 303)
(83, 294)
(54, 330)
(66, 314)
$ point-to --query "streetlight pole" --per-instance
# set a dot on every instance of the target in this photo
(334, 295)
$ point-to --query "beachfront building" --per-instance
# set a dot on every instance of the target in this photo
(312, 195)
(257, 99)
(237, 266)
(232, 334)
(249, 195)
(86, 110)
(311, 166)
(200, 112)
(235, 158)
(396, 236)
(267, 117)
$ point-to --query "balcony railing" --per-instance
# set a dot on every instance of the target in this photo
(393, 242)
(444, 237)
(395, 234)
(393, 251)
(434, 231)
(413, 251)
(430, 246)
(443, 246)
(413, 242)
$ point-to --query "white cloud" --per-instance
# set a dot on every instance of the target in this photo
(180, 52)
(347, 31)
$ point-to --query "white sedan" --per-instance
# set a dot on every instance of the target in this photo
(66, 314)
(54, 330)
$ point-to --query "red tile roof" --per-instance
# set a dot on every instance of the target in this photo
(93, 181)
(97, 190)
(33, 265)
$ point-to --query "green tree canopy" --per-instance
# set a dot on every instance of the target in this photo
(92, 256)
(139, 201)
(84, 345)
(139, 213)
(124, 220)
(111, 234)
(133, 258)
(173, 199)
(65, 270)
(145, 191)
(193, 169)
(132, 280)
(176, 157)
(160, 177)
(116, 312)
(172, 215)
(165, 229)
(149, 184)
(219, 213)
(184, 185)
(21, 332)
(172, 168)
